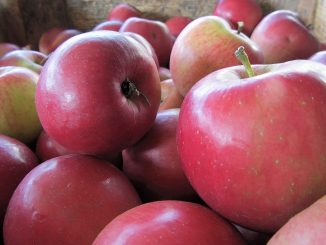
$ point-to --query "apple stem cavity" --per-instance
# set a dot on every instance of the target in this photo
(129, 89)
(240, 27)
(242, 56)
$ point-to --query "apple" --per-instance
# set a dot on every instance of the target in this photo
(249, 12)
(177, 23)
(16, 160)
(164, 73)
(153, 163)
(282, 36)
(18, 116)
(254, 147)
(205, 45)
(169, 222)
(94, 97)
(155, 32)
(123, 11)
(109, 25)
(7, 47)
(319, 56)
(30, 59)
(170, 97)
(67, 200)
(53, 37)
(306, 227)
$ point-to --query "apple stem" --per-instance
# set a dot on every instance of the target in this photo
(129, 89)
(242, 56)
(240, 26)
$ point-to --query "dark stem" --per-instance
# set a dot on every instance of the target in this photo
(129, 90)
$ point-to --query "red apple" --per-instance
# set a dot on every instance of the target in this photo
(18, 116)
(123, 11)
(153, 163)
(16, 160)
(247, 11)
(67, 200)
(254, 148)
(155, 32)
(169, 222)
(30, 59)
(52, 38)
(109, 25)
(170, 97)
(319, 56)
(7, 47)
(177, 23)
(282, 36)
(205, 45)
(306, 227)
(94, 97)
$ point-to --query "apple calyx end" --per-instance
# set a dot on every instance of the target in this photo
(129, 90)
(242, 56)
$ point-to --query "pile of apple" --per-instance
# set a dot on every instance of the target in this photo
(189, 131)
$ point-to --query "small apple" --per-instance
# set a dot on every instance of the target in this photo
(169, 222)
(153, 163)
(170, 97)
(7, 47)
(319, 56)
(155, 32)
(249, 12)
(282, 36)
(164, 73)
(16, 160)
(177, 23)
(94, 97)
(30, 59)
(205, 45)
(53, 37)
(18, 116)
(109, 25)
(123, 11)
(67, 200)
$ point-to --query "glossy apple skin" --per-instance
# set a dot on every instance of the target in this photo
(18, 116)
(16, 160)
(7, 47)
(254, 148)
(320, 57)
(207, 44)
(155, 32)
(67, 200)
(283, 37)
(123, 11)
(170, 97)
(30, 59)
(169, 223)
(247, 11)
(52, 38)
(177, 23)
(306, 227)
(153, 163)
(85, 109)
(109, 25)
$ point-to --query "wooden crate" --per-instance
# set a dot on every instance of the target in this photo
(23, 21)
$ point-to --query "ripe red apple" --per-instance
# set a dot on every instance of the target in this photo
(205, 45)
(153, 163)
(170, 97)
(177, 23)
(30, 59)
(53, 37)
(16, 160)
(282, 36)
(319, 56)
(254, 148)
(247, 11)
(306, 227)
(18, 116)
(7, 47)
(109, 25)
(94, 97)
(67, 200)
(169, 222)
(155, 32)
(123, 11)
